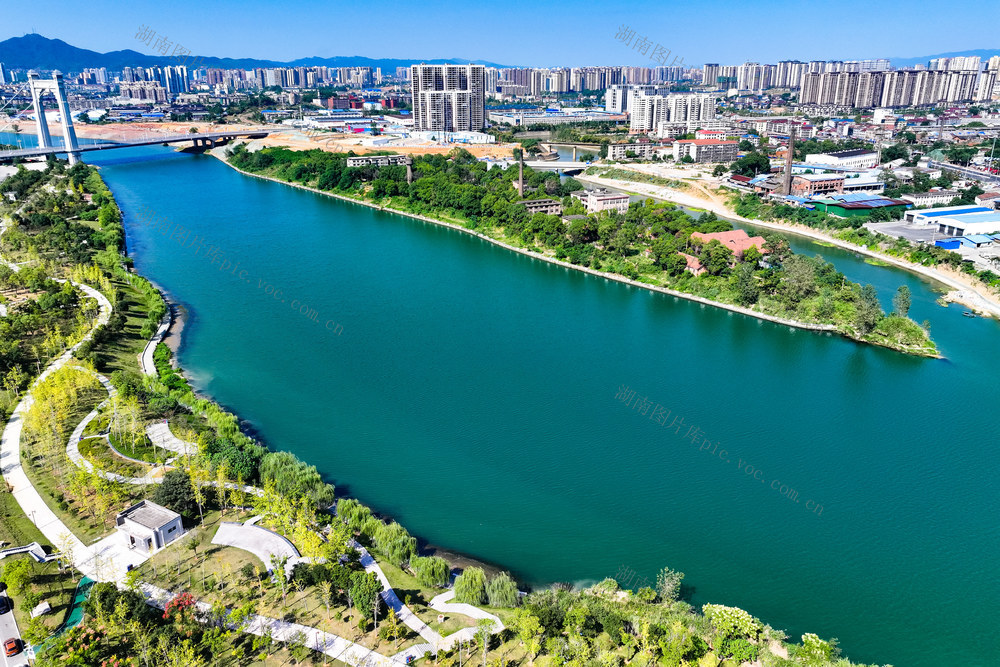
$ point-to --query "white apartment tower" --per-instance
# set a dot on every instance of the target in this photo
(448, 98)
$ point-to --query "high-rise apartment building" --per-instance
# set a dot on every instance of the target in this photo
(448, 98)
(648, 112)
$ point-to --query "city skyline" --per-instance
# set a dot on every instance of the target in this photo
(568, 35)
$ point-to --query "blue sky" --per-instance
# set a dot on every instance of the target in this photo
(539, 33)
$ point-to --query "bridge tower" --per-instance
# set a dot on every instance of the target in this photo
(58, 88)
(44, 139)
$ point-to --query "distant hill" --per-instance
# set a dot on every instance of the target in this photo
(38, 52)
(985, 54)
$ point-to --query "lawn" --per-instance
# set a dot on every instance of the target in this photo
(215, 573)
(55, 586)
(121, 351)
(97, 451)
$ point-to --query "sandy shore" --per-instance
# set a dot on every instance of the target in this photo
(288, 137)
(963, 291)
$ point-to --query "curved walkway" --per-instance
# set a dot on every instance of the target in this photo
(261, 542)
(146, 357)
(73, 446)
(161, 436)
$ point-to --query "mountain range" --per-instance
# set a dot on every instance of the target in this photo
(33, 51)
(39, 52)
(985, 54)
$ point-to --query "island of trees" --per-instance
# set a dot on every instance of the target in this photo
(648, 243)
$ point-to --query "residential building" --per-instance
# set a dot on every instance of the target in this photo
(705, 150)
(692, 264)
(649, 112)
(148, 526)
(448, 98)
(599, 199)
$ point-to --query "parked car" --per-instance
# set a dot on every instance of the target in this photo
(12, 646)
(4, 604)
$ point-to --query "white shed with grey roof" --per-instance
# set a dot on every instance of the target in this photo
(149, 526)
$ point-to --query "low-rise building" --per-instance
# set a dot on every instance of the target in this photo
(705, 150)
(804, 185)
(599, 199)
(931, 198)
(858, 205)
(376, 160)
(621, 151)
(547, 206)
(149, 526)
(859, 158)
(737, 240)
(693, 264)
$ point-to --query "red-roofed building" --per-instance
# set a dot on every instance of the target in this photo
(694, 264)
(738, 241)
(705, 150)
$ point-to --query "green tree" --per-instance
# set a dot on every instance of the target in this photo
(17, 575)
(365, 589)
(176, 493)
(431, 570)
(869, 311)
(501, 591)
(716, 258)
(668, 584)
(529, 631)
(901, 301)
(470, 586)
(751, 165)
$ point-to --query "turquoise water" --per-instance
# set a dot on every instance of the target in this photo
(471, 394)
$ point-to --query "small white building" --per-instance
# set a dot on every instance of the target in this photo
(599, 199)
(148, 526)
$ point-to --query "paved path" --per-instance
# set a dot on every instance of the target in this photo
(73, 446)
(161, 436)
(261, 542)
(441, 603)
(146, 358)
(392, 600)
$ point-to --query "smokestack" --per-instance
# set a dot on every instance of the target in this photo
(789, 158)
(520, 173)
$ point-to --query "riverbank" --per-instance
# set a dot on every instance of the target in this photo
(962, 291)
(830, 328)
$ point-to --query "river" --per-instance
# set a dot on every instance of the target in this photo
(472, 395)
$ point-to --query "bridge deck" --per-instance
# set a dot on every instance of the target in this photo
(166, 139)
